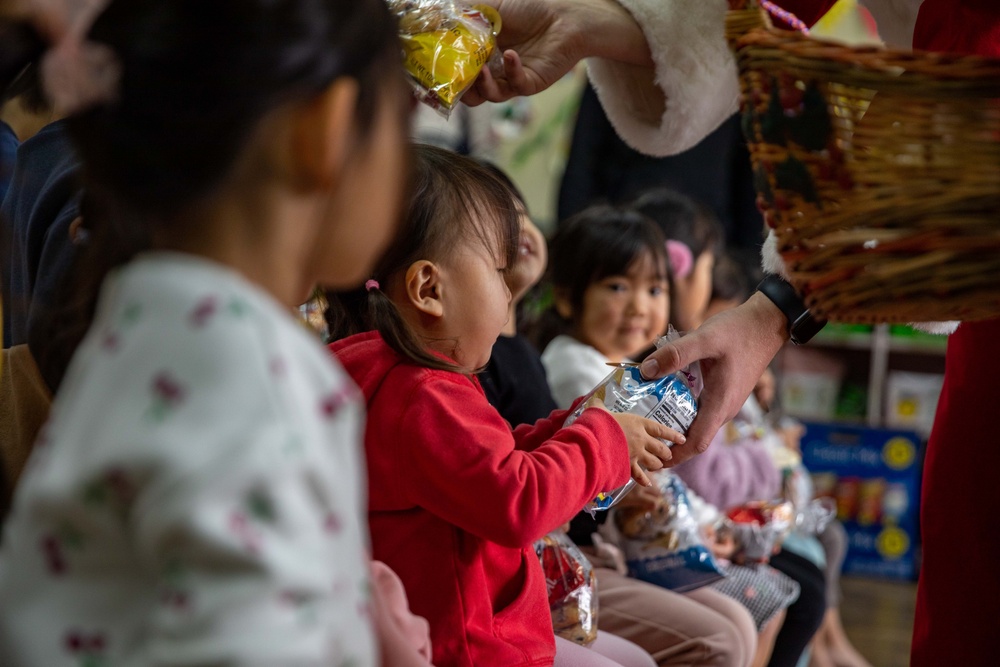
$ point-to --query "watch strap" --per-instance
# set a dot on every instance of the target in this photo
(802, 326)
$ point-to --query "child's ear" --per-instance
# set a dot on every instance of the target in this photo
(423, 288)
(564, 306)
(321, 135)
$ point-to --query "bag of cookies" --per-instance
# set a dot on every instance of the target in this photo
(572, 588)
(445, 43)
(664, 545)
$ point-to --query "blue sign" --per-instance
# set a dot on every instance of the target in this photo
(874, 476)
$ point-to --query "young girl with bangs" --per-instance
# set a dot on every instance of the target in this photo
(611, 293)
(456, 498)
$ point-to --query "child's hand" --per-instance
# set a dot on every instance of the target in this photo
(646, 498)
(721, 543)
(645, 442)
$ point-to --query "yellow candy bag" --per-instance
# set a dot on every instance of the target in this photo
(445, 46)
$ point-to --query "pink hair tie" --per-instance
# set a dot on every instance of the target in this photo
(681, 259)
(372, 284)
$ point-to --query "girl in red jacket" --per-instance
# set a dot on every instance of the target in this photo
(455, 498)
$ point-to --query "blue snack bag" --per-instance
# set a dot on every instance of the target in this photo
(668, 400)
(664, 545)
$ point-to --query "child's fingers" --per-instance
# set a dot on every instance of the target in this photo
(658, 430)
(639, 476)
(659, 449)
(650, 462)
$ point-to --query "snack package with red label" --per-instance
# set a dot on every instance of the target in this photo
(572, 586)
(758, 527)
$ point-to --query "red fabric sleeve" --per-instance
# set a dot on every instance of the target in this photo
(462, 464)
(528, 437)
(970, 27)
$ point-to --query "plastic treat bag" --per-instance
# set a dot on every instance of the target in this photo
(572, 588)
(760, 526)
(670, 401)
(664, 546)
(313, 314)
(445, 46)
(815, 516)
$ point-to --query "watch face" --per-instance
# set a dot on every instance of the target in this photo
(805, 327)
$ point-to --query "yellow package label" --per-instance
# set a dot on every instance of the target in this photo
(446, 62)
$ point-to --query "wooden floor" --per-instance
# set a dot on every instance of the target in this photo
(878, 617)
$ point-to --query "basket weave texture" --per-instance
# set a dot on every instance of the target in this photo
(878, 169)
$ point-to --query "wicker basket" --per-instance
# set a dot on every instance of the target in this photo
(879, 171)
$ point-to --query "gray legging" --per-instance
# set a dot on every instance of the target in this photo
(834, 541)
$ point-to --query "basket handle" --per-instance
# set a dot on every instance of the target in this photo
(746, 15)
(742, 17)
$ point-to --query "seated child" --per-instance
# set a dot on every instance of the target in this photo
(608, 270)
(703, 627)
(694, 242)
(738, 468)
(456, 499)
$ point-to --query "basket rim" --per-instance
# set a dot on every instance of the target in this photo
(901, 64)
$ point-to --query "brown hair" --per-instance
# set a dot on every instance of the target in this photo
(452, 198)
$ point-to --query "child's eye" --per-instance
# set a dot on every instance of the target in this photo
(617, 287)
(657, 290)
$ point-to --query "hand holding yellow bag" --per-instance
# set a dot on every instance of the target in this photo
(445, 46)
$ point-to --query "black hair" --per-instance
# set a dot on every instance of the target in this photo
(596, 243)
(452, 198)
(682, 219)
(502, 175)
(197, 79)
(20, 57)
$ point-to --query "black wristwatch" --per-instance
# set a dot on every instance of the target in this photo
(802, 326)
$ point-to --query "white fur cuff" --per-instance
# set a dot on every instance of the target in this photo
(936, 328)
(695, 71)
(770, 259)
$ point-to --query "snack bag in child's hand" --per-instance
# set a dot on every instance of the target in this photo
(445, 46)
(572, 588)
(664, 546)
(760, 526)
(669, 401)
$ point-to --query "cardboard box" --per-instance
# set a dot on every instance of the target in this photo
(911, 400)
(874, 476)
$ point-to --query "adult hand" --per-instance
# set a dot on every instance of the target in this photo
(734, 348)
(542, 40)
